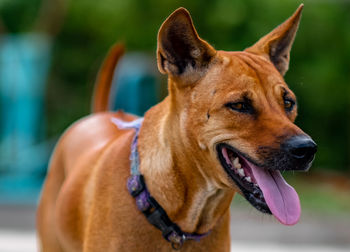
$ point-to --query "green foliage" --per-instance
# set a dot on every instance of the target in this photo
(319, 69)
(18, 15)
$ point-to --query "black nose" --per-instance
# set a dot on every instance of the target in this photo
(301, 148)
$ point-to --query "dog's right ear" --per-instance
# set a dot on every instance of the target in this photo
(181, 53)
(276, 45)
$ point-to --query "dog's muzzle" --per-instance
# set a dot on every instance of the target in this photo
(296, 153)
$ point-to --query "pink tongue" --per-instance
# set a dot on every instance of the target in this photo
(281, 198)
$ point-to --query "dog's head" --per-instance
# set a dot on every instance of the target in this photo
(237, 112)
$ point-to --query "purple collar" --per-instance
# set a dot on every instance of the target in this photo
(154, 213)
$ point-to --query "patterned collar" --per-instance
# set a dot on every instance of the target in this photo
(154, 213)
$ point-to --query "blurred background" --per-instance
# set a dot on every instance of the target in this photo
(50, 53)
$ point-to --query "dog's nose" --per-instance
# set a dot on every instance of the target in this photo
(301, 148)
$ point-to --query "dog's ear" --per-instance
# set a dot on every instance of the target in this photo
(276, 45)
(181, 53)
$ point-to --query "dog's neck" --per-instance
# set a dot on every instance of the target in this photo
(173, 176)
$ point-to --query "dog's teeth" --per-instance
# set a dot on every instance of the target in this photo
(236, 163)
(241, 172)
(248, 179)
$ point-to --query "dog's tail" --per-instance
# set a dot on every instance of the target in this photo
(103, 83)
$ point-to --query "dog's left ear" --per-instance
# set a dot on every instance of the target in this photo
(276, 45)
(181, 53)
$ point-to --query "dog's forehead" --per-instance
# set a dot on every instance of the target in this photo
(244, 70)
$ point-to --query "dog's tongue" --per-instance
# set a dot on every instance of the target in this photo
(281, 198)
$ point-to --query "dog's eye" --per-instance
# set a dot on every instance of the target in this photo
(288, 104)
(243, 107)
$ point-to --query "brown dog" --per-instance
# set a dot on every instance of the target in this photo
(225, 127)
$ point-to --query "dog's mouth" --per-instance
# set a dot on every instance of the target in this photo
(265, 189)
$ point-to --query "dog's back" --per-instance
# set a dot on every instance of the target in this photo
(78, 147)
